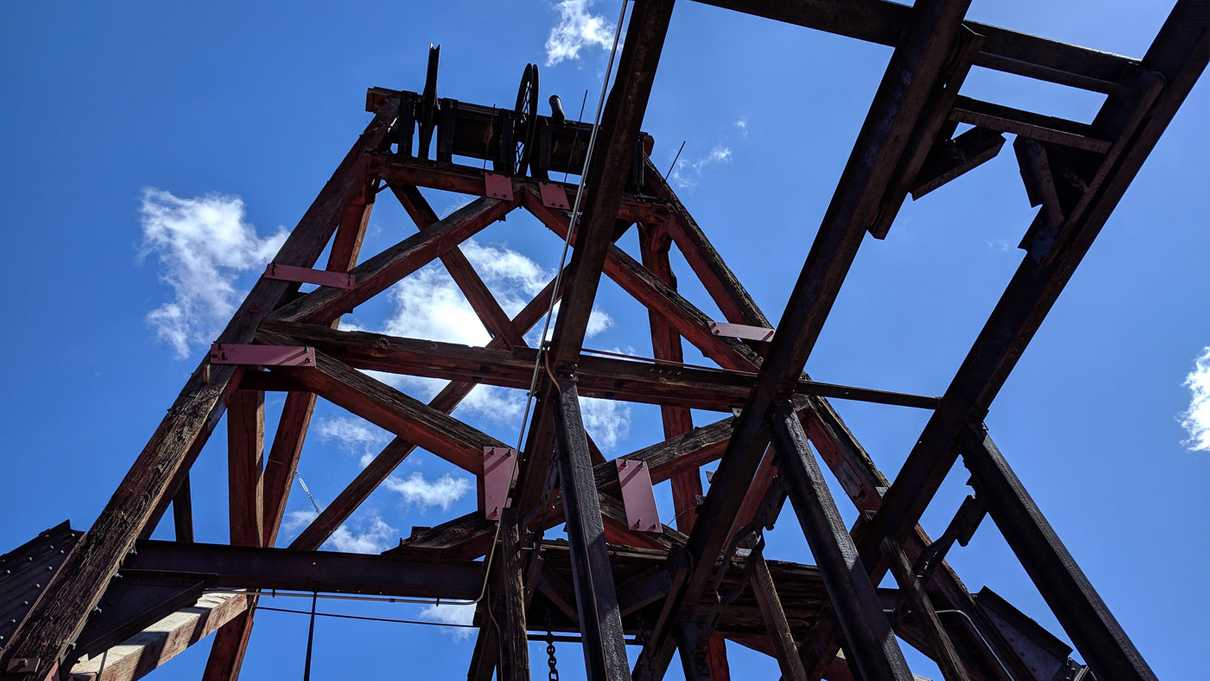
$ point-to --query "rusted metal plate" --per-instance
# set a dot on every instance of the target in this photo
(306, 275)
(499, 467)
(262, 355)
(553, 196)
(638, 496)
(756, 333)
(497, 186)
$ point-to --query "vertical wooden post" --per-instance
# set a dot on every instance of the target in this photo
(510, 617)
(596, 598)
(245, 491)
(654, 245)
(869, 643)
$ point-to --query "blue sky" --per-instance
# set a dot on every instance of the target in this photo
(154, 152)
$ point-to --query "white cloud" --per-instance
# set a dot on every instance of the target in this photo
(688, 172)
(373, 534)
(419, 490)
(608, 421)
(202, 245)
(353, 434)
(741, 124)
(577, 28)
(452, 613)
(1196, 419)
(429, 305)
(598, 322)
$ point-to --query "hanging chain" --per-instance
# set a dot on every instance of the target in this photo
(551, 662)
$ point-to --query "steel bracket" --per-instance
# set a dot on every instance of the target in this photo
(553, 196)
(638, 497)
(744, 331)
(498, 186)
(306, 275)
(499, 468)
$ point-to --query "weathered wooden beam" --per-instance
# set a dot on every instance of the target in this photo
(598, 376)
(245, 465)
(381, 271)
(394, 411)
(245, 459)
(932, 130)
(909, 78)
(514, 658)
(596, 599)
(871, 648)
(1084, 616)
(469, 180)
(153, 647)
(261, 568)
(882, 22)
(36, 649)
(1028, 124)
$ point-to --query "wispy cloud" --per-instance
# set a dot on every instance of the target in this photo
(202, 244)
(688, 172)
(1196, 419)
(608, 421)
(577, 28)
(353, 435)
(421, 491)
(741, 124)
(370, 535)
(452, 613)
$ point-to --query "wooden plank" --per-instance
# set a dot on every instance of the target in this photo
(596, 599)
(153, 647)
(142, 496)
(884, 22)
(381, 271)
(1084, 616)
(872, 650)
